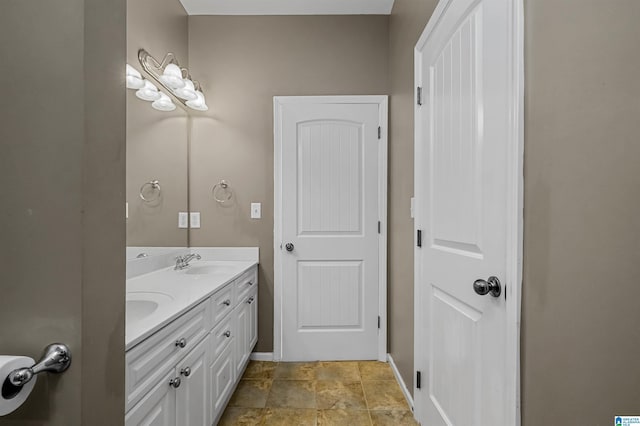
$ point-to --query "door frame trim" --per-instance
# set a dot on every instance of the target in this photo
(515, 188)
(278, 102)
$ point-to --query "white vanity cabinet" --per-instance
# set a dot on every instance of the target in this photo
(185, 373)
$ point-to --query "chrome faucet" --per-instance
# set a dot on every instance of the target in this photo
(183, 261)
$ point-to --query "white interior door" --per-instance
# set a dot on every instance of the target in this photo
(329, 186)
(465, 146)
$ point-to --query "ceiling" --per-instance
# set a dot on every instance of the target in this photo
(288, 7)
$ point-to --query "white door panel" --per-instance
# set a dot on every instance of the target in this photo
(462, 194)
(330, 213)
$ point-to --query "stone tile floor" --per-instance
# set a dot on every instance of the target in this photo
(318, 393)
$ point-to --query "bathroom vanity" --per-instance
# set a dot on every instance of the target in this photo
(189, 335)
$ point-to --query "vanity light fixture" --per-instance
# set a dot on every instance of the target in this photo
(188, 92)
(175, 79)
(149, 92)
(164, 103)
(134, 78)
(199, 103)
(172, 77)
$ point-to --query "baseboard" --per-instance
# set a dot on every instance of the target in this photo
(262, 356)
(401, 382)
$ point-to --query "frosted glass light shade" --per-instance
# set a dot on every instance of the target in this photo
(149, 92)
(199, 104)
(164, 103)
(133, 78)
(188, 92)
(172, 77)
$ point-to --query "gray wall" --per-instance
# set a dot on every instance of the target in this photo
(244, 62)
(407, 22)
(63, 142)
(580, 316)
(157, 141)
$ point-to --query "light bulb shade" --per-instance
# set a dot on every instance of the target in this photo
(199, 104)
(172, 77)
(134, 82)
(133, 72)
(188, 92)
(163, 104)
(133, 78)
(149, 92)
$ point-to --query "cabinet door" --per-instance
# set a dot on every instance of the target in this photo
(242, 335)
(156, 408)
(222, 374)
(253, 322)
(192, 398)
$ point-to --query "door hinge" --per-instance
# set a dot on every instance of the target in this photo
(379, 132)
(418, 379)
(419, 238)
(419, 95)
(378, 321)
(379, 227)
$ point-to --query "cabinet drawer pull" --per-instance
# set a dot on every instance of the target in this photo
(227, 302)
(181, 343)
(250, 301)
(227, 333)
(186, 372)
(175, 383)
(250, 282)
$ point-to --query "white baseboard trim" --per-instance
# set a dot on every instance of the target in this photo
(401, 382)
(262, 356)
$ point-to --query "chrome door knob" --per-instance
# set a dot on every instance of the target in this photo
(186, 372)
(181, 343)
(492, 285)
(175, 383)
(289, 247)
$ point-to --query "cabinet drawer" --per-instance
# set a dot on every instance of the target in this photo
(150, 360)
(247, 282)
(222, 336)
(222, 303)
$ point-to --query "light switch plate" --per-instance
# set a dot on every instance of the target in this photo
(256, 210)
(183, 220)
(195, 220)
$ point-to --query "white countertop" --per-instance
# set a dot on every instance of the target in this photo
(185, 288)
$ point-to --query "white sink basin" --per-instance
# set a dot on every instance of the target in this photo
(141, 304)
(211, 269)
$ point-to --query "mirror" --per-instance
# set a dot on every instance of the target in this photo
(157, 141)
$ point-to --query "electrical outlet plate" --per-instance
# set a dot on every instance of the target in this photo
(195, 220)
(183, 220)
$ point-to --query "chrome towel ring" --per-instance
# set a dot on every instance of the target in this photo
(155, 187)
(222, 192)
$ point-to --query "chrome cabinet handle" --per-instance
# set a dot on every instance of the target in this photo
(227, 302)
(186, 372)
(250, 283)
(492, 285)
(175, 383)
(227, 333)
(181, 343)
(250, 300)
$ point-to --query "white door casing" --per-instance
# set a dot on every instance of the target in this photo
(468, 188)
(330, 194)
